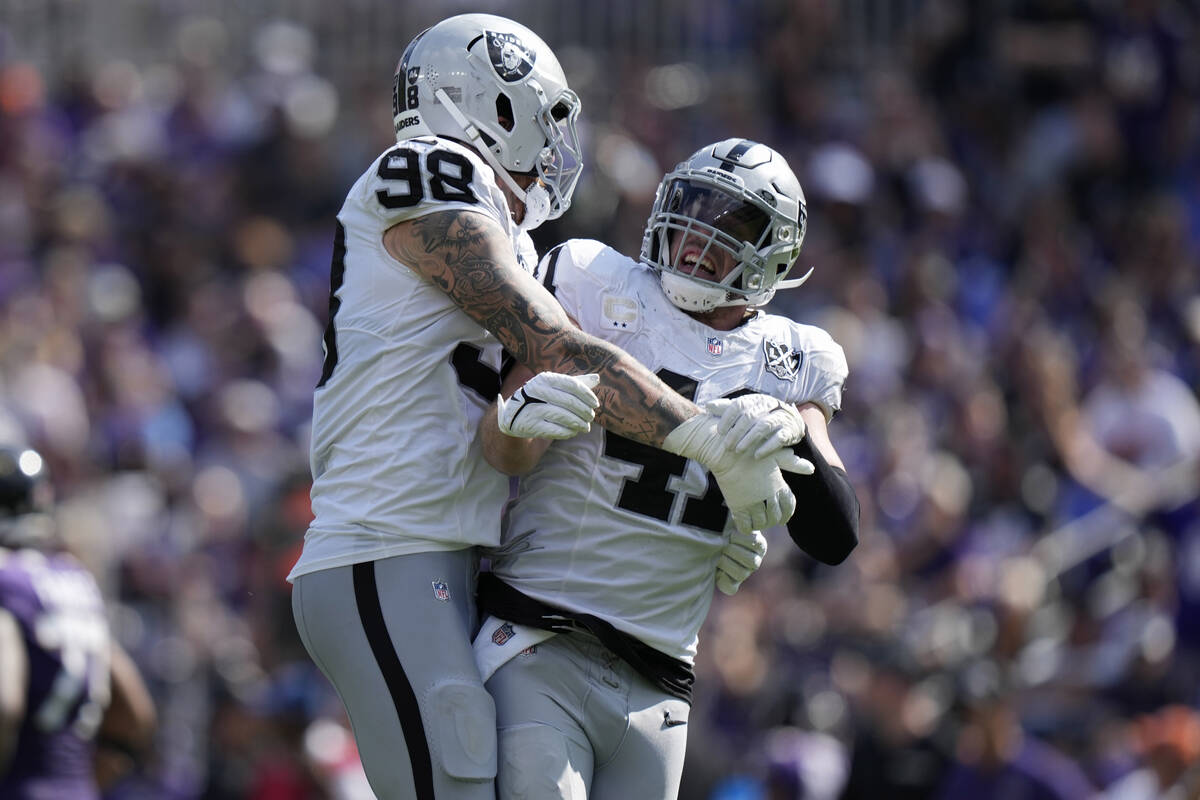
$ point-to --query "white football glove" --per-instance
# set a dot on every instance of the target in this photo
(550, 405)
(740, 557)
(754, 488)
(757, 422)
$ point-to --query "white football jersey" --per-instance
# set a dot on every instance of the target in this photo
(627, 532)
(395, 462)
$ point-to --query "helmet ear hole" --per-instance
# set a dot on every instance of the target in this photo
(504, 112)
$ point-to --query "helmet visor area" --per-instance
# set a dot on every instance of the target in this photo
(728, 213)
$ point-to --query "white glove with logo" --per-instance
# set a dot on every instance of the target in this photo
(754, 488)
(757, 422)
(550, 405)
(740, 557)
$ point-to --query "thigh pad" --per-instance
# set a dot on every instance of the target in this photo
(463, 726)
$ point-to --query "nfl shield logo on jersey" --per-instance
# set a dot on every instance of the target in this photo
(502, 634)
(715, 346)
(782, 361)
(440, 590)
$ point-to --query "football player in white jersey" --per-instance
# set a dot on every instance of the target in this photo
(612, 547)
(430, 286)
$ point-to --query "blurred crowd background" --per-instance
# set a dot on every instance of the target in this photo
(1004, 217)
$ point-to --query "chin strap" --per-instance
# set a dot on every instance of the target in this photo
(536, 198)
(689, 295)
(792, 283)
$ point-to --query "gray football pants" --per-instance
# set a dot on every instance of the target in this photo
(394, 638)
(576, 721)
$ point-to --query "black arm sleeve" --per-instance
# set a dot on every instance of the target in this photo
(825, 524)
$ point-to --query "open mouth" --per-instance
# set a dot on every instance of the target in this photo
(699, 267)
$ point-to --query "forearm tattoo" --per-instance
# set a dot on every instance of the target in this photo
(469, 258)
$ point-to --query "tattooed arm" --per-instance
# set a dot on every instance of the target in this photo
(467, 256)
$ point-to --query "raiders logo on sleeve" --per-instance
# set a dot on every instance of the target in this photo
(782, 361)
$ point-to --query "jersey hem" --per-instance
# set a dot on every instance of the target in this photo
(407, 548)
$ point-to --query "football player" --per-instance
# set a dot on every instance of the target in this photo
(612, 547)
(430, 283)
(74, 713)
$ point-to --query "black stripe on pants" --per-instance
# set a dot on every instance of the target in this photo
(366, 595)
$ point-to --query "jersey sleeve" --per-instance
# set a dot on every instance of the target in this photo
(567, 272)
(429, 174)
(823, 370)
(526, 251)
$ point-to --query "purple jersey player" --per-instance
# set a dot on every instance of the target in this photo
(57, 607)
(59, 669)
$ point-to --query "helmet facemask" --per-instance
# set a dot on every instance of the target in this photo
(703, 217)
(561, 161)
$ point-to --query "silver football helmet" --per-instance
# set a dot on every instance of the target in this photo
(494, 83)
(736, 196)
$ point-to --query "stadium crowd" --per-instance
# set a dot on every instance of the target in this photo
(1005, 225)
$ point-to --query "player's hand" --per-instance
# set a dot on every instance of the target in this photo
(754, 488)
(757, 423)
(550, 405)
(740, 557)
(750, 473)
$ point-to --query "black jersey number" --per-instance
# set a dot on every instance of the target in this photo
(337, 275)
(473, 373)
(450, 175)
(647, 494)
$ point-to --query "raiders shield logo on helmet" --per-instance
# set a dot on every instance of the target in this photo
(782, 361)
(511, 59)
